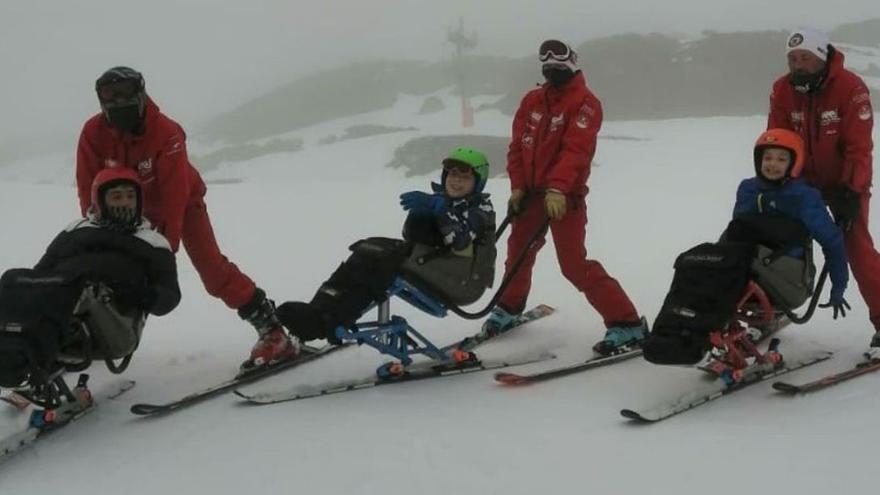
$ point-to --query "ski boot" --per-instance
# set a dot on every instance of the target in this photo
(273, 345)
(271, 348)
(499, 321)
(873, 353)
(622, 338)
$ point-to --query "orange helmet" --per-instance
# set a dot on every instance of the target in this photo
(787, 140)
(107, 179)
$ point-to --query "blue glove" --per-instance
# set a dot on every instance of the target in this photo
(838, 303)
(422, 201)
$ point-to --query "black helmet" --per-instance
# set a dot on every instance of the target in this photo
(121, 93)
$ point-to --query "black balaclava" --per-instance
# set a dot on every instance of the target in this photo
(557, 76)
(123, 98)
(809, 83)
(120, 219)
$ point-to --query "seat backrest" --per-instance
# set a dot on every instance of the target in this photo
(779, 233)
(115, 333)
(783, 265)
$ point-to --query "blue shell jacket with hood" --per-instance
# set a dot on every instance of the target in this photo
(795, 199)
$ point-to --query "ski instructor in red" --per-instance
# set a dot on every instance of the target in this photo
(551, 149)
(131, 132)
(830, 107)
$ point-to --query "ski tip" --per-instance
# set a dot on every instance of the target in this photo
(123, 388)
(510, 378)
(249, 399)
(786, 388)
(635, 416)
(146, 409)
(545, 309)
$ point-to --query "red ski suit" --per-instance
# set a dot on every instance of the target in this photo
(552, 145)
(173, 193)
(836, 122)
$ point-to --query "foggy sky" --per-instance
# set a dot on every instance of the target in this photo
(201, 57)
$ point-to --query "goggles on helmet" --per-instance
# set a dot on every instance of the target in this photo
(554, 50)
(124, 89)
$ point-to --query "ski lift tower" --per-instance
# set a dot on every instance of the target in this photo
(462, 43)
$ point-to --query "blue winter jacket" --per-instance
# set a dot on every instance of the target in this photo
(795, 199)
(463, 219)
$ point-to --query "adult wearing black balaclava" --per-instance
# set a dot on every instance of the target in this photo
(552, 147)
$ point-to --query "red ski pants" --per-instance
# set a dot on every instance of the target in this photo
(588, 276)
(221, 278)
(864, 260)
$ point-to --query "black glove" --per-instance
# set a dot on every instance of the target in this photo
(135, 295)
(839, 305)
(845, 205)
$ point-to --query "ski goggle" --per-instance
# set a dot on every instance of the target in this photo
(555, 50)
(118, 90)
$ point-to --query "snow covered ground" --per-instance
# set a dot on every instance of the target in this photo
(288, 223)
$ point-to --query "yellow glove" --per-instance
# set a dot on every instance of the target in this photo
(554, 204)
(515, 203)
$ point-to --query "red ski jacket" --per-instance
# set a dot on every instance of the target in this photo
(554, 138)
(835, 122)
(158, 156)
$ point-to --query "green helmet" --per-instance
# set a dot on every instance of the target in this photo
(472, 158)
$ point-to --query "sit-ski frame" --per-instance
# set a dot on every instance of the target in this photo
(392, 334)
(737, 350)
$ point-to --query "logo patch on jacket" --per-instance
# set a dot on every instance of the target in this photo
(145, 170)
(583, 116)
(796, 117)
(861, 98)
(829, 117)
(175, 144)
(865, 113)
(536, 116)
(556, 122)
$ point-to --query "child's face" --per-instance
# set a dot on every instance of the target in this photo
(460, 181)
(774, 163)
(121, 196)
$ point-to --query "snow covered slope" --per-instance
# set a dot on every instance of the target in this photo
(288, 222)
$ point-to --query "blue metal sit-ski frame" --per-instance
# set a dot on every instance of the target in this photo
(392, 334)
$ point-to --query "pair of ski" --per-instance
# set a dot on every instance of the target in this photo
(717, 388)
(419, 371)
(41, 424)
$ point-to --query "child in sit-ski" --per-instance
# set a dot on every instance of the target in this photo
(777, 189)
(448, 251)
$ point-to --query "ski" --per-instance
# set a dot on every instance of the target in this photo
(307, 354)
(479, 338)
(419, 371)
(859, 369)
(718, 388)
(507, 378)
(43, 422)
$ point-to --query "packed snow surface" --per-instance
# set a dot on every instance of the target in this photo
(287, 219)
